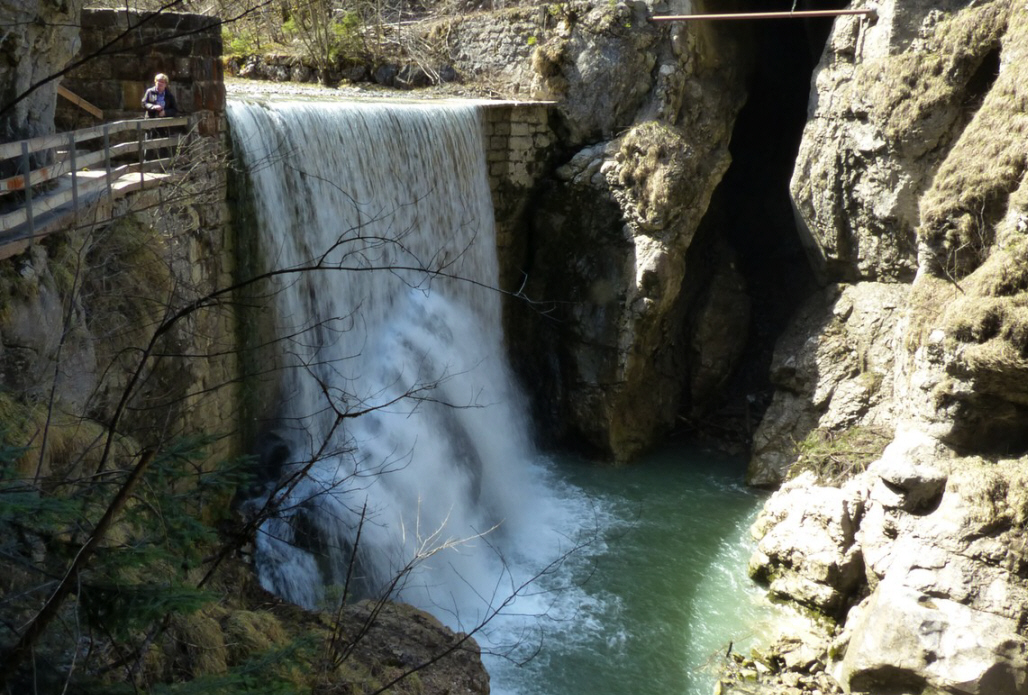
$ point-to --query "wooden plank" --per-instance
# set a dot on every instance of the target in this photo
(79, 101)
(17, 183)
(799, 14)
(96, 211)
(50, 202)
(13, 149)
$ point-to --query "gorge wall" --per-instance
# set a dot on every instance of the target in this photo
(897, 422)
(910, 192)
(897, 427)
(643, 118)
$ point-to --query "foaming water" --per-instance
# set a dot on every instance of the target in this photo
(397, 403)
(435, 484)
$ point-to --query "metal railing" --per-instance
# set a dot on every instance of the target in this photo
(793, 14)
(57, 174)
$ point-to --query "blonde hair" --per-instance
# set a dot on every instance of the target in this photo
(160, 77)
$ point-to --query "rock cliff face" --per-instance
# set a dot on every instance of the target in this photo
(645, 116)
(910, 186)
(40, 36)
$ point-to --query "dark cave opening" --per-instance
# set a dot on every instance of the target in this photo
(750, 218)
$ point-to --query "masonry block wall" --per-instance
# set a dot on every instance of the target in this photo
(519, 151)
(125, 49)
(128, 49)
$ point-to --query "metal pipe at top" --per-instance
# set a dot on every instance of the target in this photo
(762, 15)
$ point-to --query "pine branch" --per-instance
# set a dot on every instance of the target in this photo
(37, 626)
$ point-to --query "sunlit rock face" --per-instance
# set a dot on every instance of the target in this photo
(40, 37)
(646, 114)
(912, 174)
(891, 98)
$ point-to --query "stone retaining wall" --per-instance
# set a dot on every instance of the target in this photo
(187, 47)
(519, 150)
(190, 218)
(496, 48)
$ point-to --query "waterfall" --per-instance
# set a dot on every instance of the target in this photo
(388, 208)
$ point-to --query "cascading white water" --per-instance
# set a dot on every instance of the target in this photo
(387, 207)
(389, 204)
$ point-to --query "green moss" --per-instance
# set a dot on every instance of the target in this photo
(928, 300)
(251, 632)
(73, 444)
(991, 316)
(656, 161)
(906, 90)
(996, 494)
(970, 192)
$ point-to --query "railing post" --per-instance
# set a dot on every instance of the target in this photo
(142, 150)
(74, 176)
(26, 165)
(107, 162)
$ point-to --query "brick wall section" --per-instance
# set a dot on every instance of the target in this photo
(519, 150)
(187, 47)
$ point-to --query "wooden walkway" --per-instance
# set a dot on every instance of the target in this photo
(70, 177)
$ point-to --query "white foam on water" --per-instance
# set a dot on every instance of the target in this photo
(388, 208)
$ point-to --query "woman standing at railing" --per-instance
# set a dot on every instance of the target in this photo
(158, 100)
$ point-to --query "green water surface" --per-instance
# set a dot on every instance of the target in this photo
(661, 595)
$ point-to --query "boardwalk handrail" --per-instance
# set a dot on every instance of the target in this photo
(21, 221)
(69, 140)
(11, 150)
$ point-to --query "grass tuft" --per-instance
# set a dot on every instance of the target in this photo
(972, 188)
(834, 458)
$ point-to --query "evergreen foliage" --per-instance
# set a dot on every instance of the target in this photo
(143, 571)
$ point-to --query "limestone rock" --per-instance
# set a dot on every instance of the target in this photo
(40, 37)
(622, 216)
(807, 549)
(598, 65)
(947, 580)
(834, 370)
(913, 161)
(400, 637)
(908, 487)
(890, 98)
(949, 607)
(906, 637)
(619, 216)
